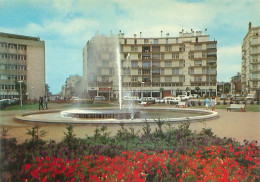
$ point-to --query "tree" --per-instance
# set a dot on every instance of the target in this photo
(197, 88)
(161, 91)
(17, 87)
(226, 89)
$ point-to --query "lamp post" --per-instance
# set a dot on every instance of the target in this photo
(109, 93)
(21, 95)
(142, 89)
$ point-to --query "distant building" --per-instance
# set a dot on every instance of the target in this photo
(22, 58)
(236, 86)
(176, 64)
(251, 61)
(223, 88)
(71, 87)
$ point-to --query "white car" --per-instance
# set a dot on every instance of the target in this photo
(99, 98)
(183, 97)
(250, 97)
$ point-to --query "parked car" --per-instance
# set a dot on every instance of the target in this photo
(223, 97)
(250, 97)
(99, 98)
(183, 97)
(237, 97)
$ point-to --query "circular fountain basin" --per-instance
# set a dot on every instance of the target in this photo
(143, 115)
(101, 114)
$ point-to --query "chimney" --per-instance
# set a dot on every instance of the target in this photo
(140, 34)
(249, 25)
(206, 30)
(161, 33)
(134, 35)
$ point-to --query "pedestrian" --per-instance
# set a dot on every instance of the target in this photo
(213, 103)
(207, 102)
(45, 100)
(41, 103)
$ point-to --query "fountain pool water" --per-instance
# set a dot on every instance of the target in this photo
(112, 116)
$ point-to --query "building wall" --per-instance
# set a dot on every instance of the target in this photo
(28, 55)
(251, 61)
(172, 63)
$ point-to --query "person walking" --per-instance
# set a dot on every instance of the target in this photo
(213, 103)
(45, 100)
(207, 102)
(41, 103)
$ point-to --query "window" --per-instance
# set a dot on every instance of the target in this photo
(146, 72)
(204, 54)
(168, 79)
(156, 64)
(125, 41)
(146, 79)
(111, 55)
(198, 47)
(134, 78)
(204, 71)
(211, 46)
(139, 71)
(181, 48)
(111, 71)
(191, 70)
(156, 79)
(134, 49)
(156, 72)
(191, 55)
(4, 77)
(166, 41)
(162, 71)
(146, 41)
(182, 78)
(168, 48)
(155, 41)
(175, 71)
(134, 64)
(3, 44)
(139, 56)
(99, 70)
(135, 41)
(168, 63)
(105, 63)
(181, 63)
(146, 64)
(156, 56)
(175, 55)
(197, 62)
(162, 55)
(197, 78)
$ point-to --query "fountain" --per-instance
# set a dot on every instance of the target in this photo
(127, 114)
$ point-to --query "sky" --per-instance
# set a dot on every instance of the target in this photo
(66, 26)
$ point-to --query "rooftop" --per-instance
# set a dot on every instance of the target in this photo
(15, 36)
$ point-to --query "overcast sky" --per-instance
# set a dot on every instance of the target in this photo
(66, 26)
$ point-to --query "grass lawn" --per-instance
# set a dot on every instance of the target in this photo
(24, 107)
(249, 107)
(56, 106)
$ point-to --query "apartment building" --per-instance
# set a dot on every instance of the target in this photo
(251, 61)
(22, 58)
(149, 66)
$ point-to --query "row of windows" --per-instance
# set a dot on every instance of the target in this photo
(13, 46)
(173, 56)
(169, 48)
(12, 67)
(12, 56)
(7, 87)
(13, 77)
(165, 84)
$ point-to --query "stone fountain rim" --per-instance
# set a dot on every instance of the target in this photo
(211, 115)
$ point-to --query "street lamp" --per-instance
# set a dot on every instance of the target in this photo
(142, 89)
(109, 93)
(21, 95)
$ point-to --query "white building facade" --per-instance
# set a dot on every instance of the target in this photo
(251, 61)
(171, 65)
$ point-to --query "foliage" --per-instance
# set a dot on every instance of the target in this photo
(172, 155)
(4, 131)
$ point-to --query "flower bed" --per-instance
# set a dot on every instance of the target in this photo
(167, 154)
(213, 164)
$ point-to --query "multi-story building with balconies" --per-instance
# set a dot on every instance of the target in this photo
(174, 65)
(22, 58)
(251, 61)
